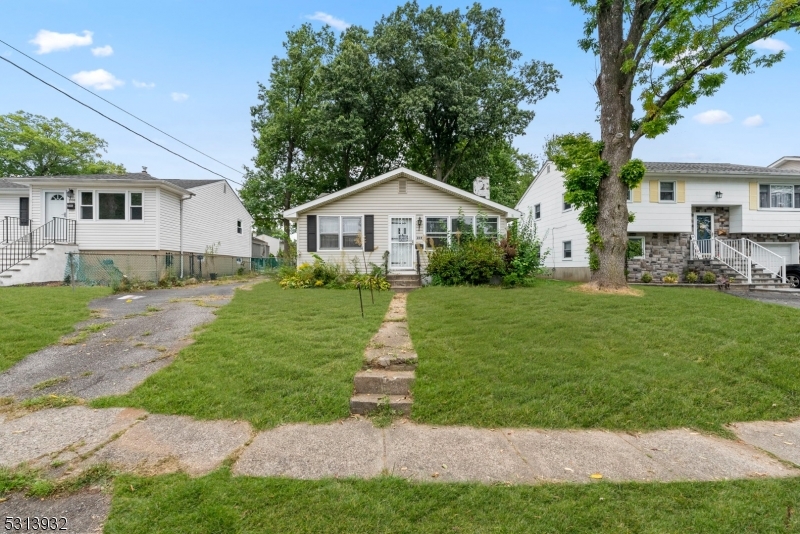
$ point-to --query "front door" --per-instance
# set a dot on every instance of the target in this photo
(55, 205)
(704, 233)
(402, 245)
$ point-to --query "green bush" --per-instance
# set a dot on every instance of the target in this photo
(709, 278)
(472, 261)
(330, 275)
(647, 278)
(691, 277)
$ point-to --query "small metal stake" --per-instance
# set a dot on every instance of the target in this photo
(360, 299)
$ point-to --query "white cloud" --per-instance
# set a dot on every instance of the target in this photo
(771, 44)
(713, 116)
(330, 20)
(48, 41)
(754, 121)
(143, 85)
(103, 51)
(99, 79)
(180, 97)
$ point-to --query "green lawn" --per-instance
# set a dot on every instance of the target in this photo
(220, 503)
(32, 318)
(272, 356)
(551, 357)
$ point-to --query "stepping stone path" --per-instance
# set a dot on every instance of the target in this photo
(389, 364)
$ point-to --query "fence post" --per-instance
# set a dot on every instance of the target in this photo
(71, 272)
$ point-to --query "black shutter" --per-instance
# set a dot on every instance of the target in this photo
(311, 239)
(24, 211)
(369, 233)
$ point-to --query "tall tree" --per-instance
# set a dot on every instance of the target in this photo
(356, 135)
(672, 52)
(282, 124)
(33, 145)
(457, 82)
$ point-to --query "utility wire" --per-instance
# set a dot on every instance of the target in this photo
(114, 121)
(119, 108)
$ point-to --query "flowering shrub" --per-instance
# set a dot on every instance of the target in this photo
(670, 278)
(330, 275)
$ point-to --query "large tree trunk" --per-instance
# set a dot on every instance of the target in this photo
(616, 112)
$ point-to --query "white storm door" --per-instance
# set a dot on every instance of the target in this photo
(55, 205)
(402, 245)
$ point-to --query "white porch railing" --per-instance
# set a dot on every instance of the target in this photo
(740, 255)
(773, 263)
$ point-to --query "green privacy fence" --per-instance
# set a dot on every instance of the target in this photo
(91, 268)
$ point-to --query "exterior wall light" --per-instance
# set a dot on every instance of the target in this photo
(718, 194)
(419, 224)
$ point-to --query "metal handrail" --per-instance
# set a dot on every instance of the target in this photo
(14, 228)
(56, 231)
(773, 263)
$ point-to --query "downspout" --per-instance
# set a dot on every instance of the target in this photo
(181, 232)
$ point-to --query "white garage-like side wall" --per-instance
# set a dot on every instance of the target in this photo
(211, 217)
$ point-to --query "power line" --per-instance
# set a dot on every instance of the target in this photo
(116, 122)
(119, 108)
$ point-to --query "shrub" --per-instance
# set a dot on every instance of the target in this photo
(647, 278)
(691, 277)
(330, 275)
(709, 278)
(670, 278)
(470, 261)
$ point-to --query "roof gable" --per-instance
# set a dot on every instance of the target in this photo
(400, 172)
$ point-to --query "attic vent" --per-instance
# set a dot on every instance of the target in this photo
(401, 187)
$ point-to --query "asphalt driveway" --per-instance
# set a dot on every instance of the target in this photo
(131, 337)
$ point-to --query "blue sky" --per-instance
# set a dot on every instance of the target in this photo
(191, 68)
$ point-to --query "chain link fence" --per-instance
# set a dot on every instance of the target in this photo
(266, 265)
(94, 268)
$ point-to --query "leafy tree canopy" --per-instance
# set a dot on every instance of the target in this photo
(33, 145)
(442, 93)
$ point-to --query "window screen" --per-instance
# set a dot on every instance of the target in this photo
(351, 232)
(136, 206)
(329, 233)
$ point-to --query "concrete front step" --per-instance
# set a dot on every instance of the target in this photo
(379, 381)
(367, 403)
(390, 359)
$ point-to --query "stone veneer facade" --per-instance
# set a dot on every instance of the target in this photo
(669, 253)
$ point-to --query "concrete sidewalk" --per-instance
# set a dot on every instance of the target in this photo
(134, 441)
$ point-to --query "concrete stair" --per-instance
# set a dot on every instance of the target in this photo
(760, 278)
(46, 265)
(403, 282)
(389, 363)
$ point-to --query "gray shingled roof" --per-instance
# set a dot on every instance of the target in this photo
(713, 168)
(190, 184)
(6, 184)
(126, 176)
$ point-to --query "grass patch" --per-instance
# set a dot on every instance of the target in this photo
(51, 401)
(272, 356)
(221, 503)
(50, 383)
(34, 484)
(555, 358)
(35, 317)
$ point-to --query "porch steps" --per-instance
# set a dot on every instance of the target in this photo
(10, 273)
(403, 282)
(760, 278)
(389, 364)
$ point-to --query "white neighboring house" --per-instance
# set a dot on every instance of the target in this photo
(739, 220)
(43, 217)
(389, 218)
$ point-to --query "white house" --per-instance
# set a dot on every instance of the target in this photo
(132, 214)
(392, 219)
(741, 218)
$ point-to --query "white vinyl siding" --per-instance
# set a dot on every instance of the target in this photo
(9, 204)
(169, 206)
(419, 201)
(211, 217)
